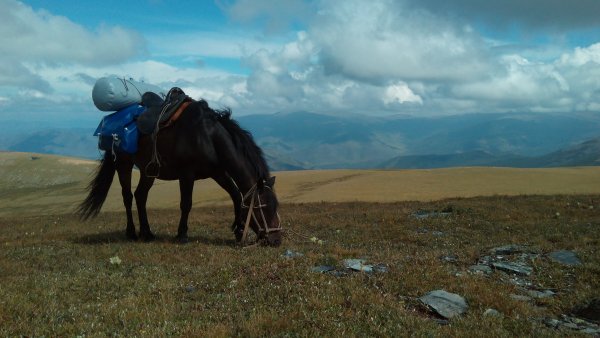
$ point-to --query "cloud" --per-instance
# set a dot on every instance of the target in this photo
(379, 41)
(558, 15)
(39, 36)
(275, 16)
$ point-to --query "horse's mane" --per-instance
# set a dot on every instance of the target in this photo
(243, 142)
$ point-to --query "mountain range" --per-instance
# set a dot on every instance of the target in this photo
(304, 140)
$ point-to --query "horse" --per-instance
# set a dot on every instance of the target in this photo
(202, 143)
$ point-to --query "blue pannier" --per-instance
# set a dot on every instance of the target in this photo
(118, 131)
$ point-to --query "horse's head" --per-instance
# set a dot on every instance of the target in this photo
(261, 211)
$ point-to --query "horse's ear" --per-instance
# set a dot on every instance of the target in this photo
(270, 182)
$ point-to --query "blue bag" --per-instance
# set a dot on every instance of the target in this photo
(118, 131)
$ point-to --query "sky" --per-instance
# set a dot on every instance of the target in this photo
(375, 57)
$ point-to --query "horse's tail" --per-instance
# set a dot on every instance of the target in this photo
(98, 188)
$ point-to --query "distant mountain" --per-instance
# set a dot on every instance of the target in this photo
(324, 141)
(304, 140)
(76, 142)
(583, 154)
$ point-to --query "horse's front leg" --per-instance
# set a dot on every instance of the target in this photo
(141, 197)
(186, 189)
(236, 197)
(124, 168)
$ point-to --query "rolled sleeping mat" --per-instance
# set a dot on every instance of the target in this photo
(113, 93)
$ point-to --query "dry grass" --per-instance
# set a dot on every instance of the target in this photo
(56, 278)
(54, 185)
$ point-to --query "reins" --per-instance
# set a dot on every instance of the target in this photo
(262, 226)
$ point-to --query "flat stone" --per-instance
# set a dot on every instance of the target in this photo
(520, 298)
(565, 257)
(492, 313)
(446, 304)
(518, 269)
(540, 294)
(510, 249)
(322, 268)
(449, 258)
(291, 254)
(423, 214)
(480, 269)
(358, 265)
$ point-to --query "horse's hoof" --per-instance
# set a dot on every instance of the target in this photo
(132, 236)
(147, 237)
(182, 239)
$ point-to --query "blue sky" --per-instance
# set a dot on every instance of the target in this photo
(378, 57)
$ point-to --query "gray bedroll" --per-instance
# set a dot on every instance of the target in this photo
(113, 93)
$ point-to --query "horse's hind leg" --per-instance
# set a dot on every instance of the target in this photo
(141, 197)
(124, 168)
(186, 188)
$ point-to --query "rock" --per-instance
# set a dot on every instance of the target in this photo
(380, 268)
(190, 288)
(291, 254)
(565, 257)
(322, 268)
(449, 258)
(520, 298)
(446, 304)
(510, 249)
(492, 313)
(423, 214)
(540, 294)
(519, 269)
(480, 269)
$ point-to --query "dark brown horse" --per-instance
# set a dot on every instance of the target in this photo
(202, 143)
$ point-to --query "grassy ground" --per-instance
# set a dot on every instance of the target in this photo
(56, 278)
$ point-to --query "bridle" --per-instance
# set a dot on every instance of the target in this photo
(263, 226)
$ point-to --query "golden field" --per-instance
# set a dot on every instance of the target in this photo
(54, 185)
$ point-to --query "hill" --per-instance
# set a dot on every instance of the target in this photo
(304, 140)
(45, 184)
(584, 154)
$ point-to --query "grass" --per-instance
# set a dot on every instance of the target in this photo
(56, 278)
(54, 185)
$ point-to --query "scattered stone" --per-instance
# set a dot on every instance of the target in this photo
(565, 257)
(520, 298)
(380, 268)
(518, 269)
(423, 214)
(437, 233)
(480, 269)
(422, 230)
(291, 254)
(573, 323)
(449, 258)
(540, 294)
(323, 268)
(510, 249)
(190, 289)
(492, 313)
(446, 304)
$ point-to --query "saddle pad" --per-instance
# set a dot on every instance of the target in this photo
(158, 111)
(118, 131)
